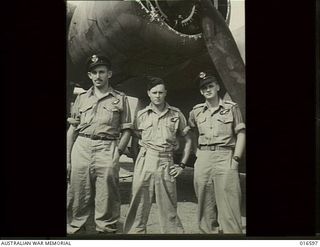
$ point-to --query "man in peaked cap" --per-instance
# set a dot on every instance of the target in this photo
(157, 127)
(96, 60)
(220, 141)
(99, 132)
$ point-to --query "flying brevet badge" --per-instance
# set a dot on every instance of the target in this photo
(116, 101)
(225, 111)
(174, 119)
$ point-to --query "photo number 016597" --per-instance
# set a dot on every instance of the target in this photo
(156, 118)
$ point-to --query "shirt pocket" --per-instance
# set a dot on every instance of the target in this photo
(225, 124)
(202, 125)
(146, 129)
(86, 114)
(172, 124)
(112, 117)
(171, 127)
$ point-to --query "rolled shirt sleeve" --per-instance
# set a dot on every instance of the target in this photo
(136, 132)
(238, 123)
(125, 120)
(192, 120)
(183, 128)
(74, 119)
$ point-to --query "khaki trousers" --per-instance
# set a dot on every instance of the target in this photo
(151, 175)
(216, 183)
(94, 181)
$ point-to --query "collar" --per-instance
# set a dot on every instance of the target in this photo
(111, 91)
(220, 104)
(167, 107)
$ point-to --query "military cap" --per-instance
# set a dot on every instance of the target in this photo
(96, 60)
(205, 78)
(154, 81)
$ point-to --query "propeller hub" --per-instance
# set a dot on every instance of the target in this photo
(184, 16)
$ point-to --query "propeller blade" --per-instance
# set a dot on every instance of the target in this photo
(224, 53)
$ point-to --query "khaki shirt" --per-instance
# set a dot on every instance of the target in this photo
(106, 116)
(219, 126)
(159, 131)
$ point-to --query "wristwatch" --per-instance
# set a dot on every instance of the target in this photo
(182, 165)
(236, 158)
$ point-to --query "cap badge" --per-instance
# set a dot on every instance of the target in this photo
(202, 75)
(94, 58)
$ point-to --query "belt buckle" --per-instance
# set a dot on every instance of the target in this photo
(212, 148)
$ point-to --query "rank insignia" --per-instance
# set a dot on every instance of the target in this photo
(225, 111)
(116, 101)
(174, 119)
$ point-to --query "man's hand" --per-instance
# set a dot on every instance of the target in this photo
(68, 171)
(117, 155)
(234, 164)
(175, 170)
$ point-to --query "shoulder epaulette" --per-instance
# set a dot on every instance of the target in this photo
(82, 93)
(175, 108)
(118, 92)
(230, 102)
(141, 112)
(199, 105)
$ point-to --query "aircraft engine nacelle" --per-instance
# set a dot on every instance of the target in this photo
(140, 37)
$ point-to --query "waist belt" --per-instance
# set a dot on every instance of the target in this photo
(96, 137)
(213, 147)
(157, 153)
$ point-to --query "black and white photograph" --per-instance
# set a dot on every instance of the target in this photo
(160, 120)
(156, 114)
